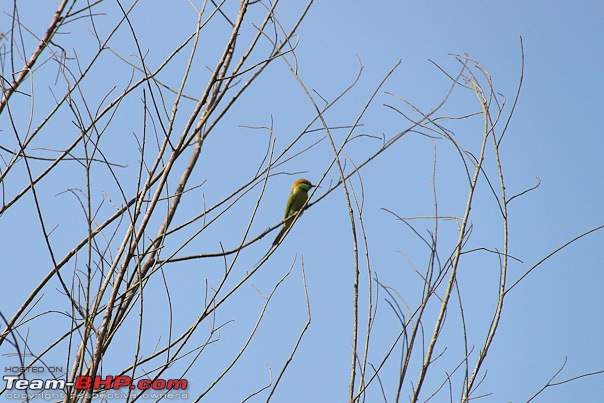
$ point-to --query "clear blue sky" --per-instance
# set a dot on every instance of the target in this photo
(555, 135)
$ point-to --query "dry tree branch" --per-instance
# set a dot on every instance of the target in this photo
(250, 337)
(549, 255)
(550, 382)
(453, 273)
(55, 24)
(300, 336)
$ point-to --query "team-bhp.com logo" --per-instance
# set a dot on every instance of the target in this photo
(98, 383)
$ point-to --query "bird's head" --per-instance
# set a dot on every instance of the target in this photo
(302, 184)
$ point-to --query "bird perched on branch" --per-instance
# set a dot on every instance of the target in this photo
(297, 199)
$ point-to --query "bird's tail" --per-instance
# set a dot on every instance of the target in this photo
(280, 235)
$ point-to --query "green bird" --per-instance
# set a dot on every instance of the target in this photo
(297, 199)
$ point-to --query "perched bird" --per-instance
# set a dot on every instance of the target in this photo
(297, 198)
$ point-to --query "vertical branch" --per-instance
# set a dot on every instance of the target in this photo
(504, 215)
(454, 264)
